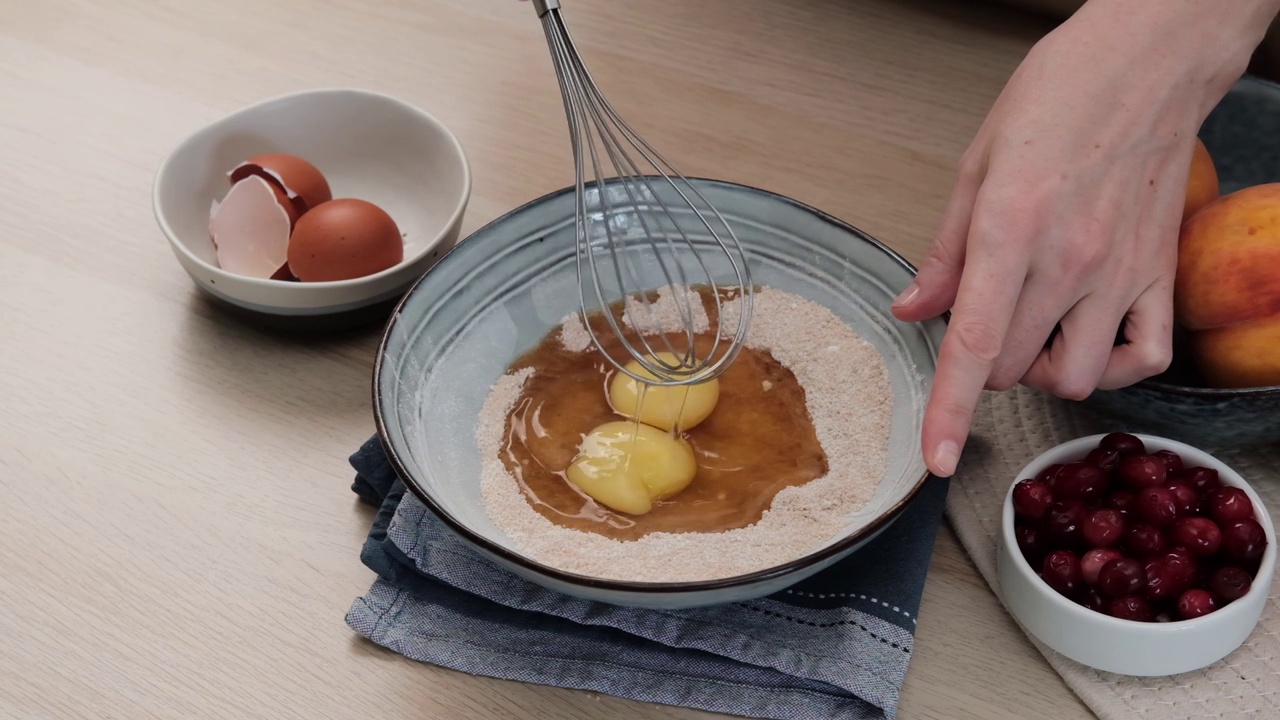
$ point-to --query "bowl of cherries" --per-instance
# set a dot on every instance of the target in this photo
(1135, 554)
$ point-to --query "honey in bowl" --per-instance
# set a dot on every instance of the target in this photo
(748, 433)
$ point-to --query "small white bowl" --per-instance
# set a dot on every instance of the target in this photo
(369, 146)
(1124, 646)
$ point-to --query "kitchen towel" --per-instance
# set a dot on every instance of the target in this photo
(1013, 427)
(835, 646)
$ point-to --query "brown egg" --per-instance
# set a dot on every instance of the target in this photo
(303, 182)
(343, 239)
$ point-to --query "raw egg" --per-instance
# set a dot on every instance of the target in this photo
(665, 407)
(627, 466)
(344, 239)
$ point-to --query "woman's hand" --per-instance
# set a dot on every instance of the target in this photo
(1066, 210)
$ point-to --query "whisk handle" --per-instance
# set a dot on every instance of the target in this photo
(545, 6)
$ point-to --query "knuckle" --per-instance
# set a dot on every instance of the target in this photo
(1155, 358)
(978, 338)
(1087, 253)
(971, 166)
(1004, 376)
(939, 255)
(954, 412)
(1073, 387)
(1001, 381)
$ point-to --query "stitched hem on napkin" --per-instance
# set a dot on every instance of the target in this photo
(774, 634)
(525, 649)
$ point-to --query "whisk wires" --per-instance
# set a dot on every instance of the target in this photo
(600, 137)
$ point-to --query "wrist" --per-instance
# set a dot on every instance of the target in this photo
(1203, 45)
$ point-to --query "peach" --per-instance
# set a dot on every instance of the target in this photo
(1244, 355)
(1202, 182)
(1229, 260)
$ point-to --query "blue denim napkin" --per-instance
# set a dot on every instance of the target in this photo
(835, 646)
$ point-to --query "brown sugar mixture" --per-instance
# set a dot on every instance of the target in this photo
(758, 440)
(826, 412)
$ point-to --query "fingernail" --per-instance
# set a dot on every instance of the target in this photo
(946, 457)
(908, 296)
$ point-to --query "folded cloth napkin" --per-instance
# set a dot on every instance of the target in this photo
(835, 646)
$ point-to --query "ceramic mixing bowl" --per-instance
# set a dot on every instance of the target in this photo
(369, 146)
(503, 289)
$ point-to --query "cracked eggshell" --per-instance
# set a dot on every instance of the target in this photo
(250, 230)
(303, 183)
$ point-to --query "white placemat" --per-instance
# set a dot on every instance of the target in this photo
(1010, 429)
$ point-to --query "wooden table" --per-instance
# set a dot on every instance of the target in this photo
(177, 538)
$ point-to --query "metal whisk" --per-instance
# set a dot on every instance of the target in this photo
(677, 231)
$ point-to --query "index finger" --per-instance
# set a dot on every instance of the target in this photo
(990, 285)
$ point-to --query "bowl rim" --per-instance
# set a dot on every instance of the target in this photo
(629, 586)
(430, 120)
(1206, 392)
(1078, 612)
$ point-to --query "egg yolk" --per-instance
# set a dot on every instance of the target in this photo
(627, 466)
(682, 406)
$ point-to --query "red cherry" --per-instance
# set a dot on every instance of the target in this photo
(1144, 540)
(1062, 572)
(1228, 504)
(1080, 481)
(1195, 603)
(1121, 577)
(1031, 543)
(1123, 443)
(1229, 584)
(1201, 478)
(1185, 498)
(1172, 460)
(1179, 554)
(1106, 460)
(1132, 607)
(1093, 600)
(1143, 471)
(1243, 540)
(1204, 569)
(1091, 563)
(1156, 505)
(1199, 535)
(1031, 499)
(1181, 569)
(1126, 501)
(1061, 525)
(1169, 576)
(1049, 475)
(1103, 527)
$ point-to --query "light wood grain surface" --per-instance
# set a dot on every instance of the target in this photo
(177, 538)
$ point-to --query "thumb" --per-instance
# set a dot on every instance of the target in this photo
(934, 289)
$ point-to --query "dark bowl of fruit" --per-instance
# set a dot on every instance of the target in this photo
(1223, 386)
(1135, 554)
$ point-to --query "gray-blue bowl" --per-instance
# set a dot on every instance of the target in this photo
(500, 291)
(1240, 135)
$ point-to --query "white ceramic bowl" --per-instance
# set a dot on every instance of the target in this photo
(369, 146)
(1125, 646)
